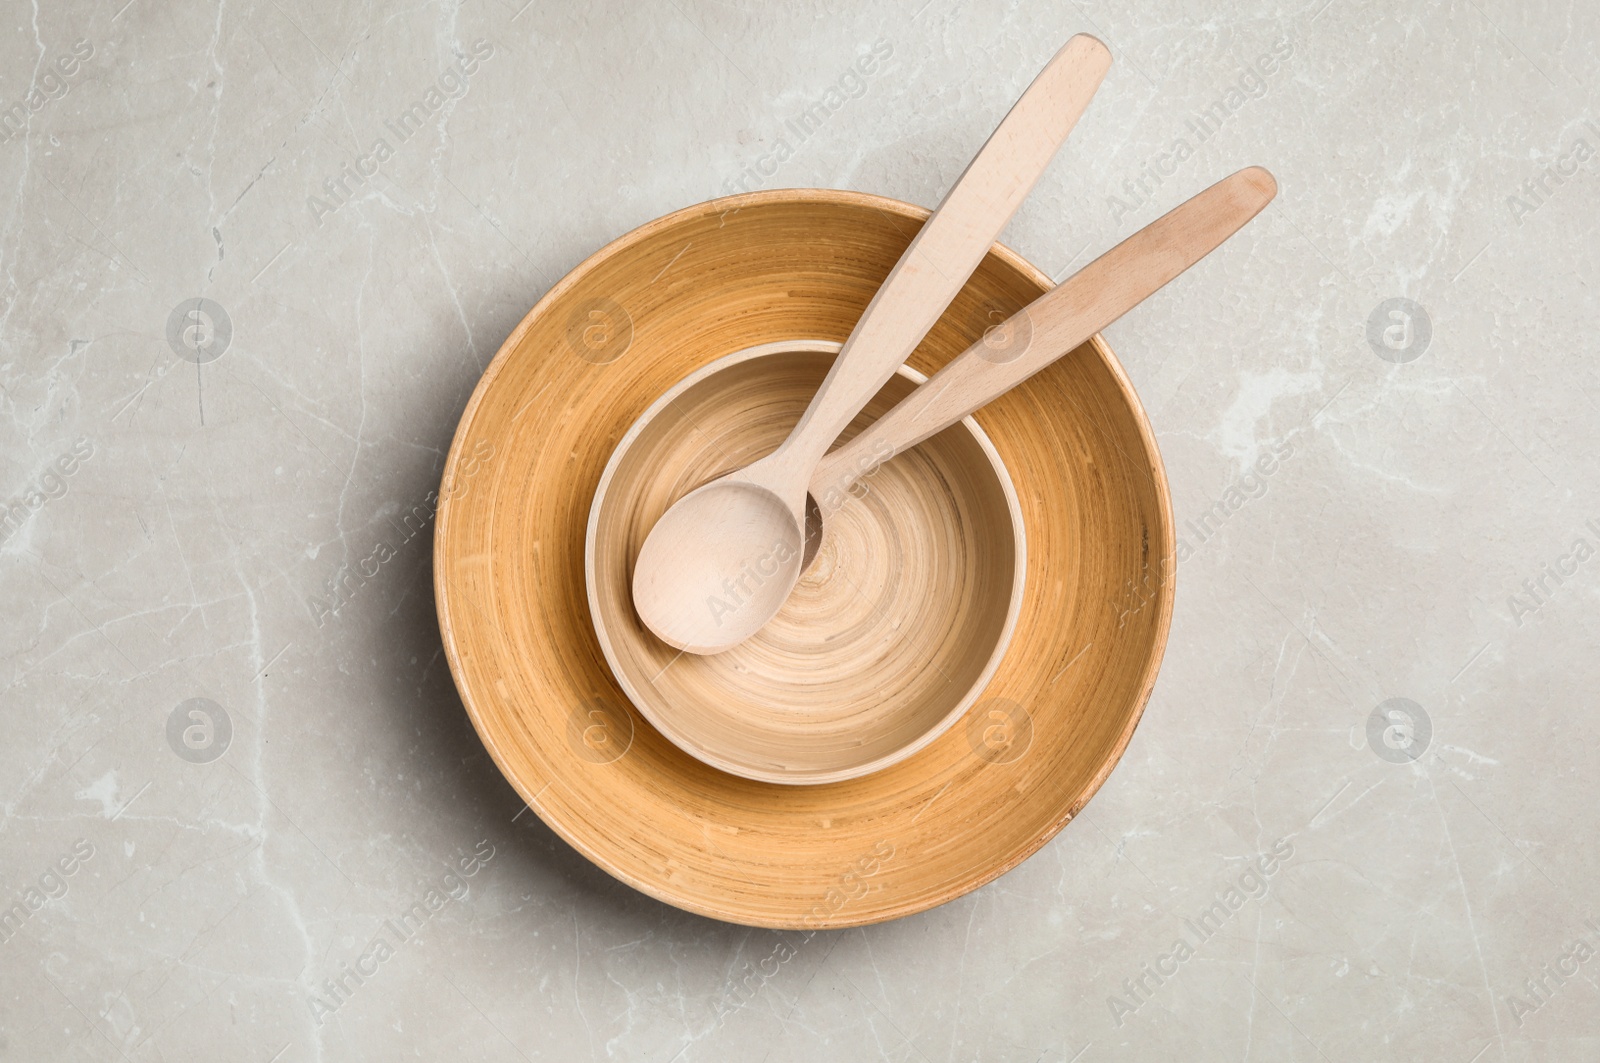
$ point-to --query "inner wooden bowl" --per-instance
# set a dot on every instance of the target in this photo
(887, 638)
(509, 576)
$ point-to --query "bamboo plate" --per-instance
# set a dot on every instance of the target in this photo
(889, 636)
(614, 334)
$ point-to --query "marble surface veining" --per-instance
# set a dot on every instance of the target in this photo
(255, 255)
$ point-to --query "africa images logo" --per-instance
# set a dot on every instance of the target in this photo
(1251, 884)
(52, 83)
(1201, 126)
(450, 85)
(1399, 330)
(395, 932)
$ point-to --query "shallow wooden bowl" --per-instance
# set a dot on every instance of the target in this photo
(617, 332)
(888, 637)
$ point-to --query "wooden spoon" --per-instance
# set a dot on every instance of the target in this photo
(721, 562)
(1044, 331)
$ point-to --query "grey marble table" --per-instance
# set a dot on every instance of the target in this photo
(254, 258)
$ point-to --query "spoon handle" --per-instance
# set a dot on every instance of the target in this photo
(949, 247)
(1051, 326)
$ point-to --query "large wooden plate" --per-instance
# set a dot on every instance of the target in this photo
(632, 320)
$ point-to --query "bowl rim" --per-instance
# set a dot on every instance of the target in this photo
(662, 722)
(529, 793)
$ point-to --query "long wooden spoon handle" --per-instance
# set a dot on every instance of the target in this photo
(950, 245)
(1051, 326)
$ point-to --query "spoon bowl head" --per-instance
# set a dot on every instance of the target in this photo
(717, 566)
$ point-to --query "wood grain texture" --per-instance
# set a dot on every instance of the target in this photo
(673, 296)
(892, 633)
(946, 250)
(756, 514)
(1054, 324)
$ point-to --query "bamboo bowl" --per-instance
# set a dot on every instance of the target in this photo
(891, 633)
(509, 577)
